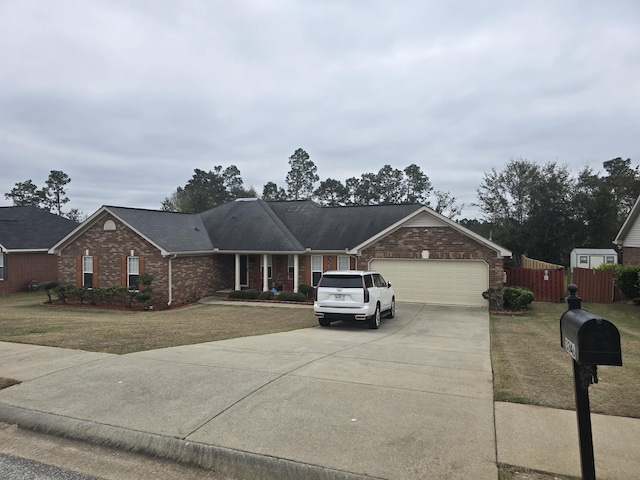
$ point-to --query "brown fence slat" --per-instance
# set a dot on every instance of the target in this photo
(596, 286)
(547, 287)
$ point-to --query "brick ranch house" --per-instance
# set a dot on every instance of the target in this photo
(26, 235)
(629, 236)
(251, 243)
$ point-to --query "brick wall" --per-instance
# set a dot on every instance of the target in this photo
(443, 243)
(201, 276)
(22, 268)
(631, 255)
(193, 277)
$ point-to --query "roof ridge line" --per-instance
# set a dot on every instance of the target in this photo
(283, 228)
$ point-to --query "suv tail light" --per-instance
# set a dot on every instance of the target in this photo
(366, 292)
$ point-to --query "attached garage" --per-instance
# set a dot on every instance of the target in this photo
(444, 282)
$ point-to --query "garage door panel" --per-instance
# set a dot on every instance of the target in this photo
(445, 282)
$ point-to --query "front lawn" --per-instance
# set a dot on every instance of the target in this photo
(530, 366)
(24, 319)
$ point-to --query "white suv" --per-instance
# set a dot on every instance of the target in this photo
(353, 295)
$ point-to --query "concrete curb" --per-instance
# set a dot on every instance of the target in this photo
(227, 462)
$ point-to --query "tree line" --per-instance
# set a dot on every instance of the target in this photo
(389, 185)
(545, 211)
(541, 210)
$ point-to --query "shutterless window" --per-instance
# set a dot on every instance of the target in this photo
(2, 266)
(341, 281)
(133, 271)
(316, 269)
(87, 271)
(611, 259)
(290, 266)
(584, 259)
(343, 262)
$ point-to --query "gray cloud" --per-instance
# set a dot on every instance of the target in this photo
(129, 97)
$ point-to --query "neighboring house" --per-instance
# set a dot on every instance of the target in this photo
(26, 235)
(629, 236)
(592, 257)
(251, 243)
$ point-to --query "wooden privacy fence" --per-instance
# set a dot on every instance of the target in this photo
(596, 286)
(546, 285)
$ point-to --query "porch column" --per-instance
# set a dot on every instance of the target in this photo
(296, 267)
(237, 279)
(265, 273)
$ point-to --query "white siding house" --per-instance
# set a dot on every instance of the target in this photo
(629, 236)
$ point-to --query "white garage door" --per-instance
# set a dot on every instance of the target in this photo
(444, 282)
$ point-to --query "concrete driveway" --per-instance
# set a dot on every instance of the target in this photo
(411, 400)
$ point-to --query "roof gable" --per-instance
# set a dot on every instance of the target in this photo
(31, 228)
(629, 234)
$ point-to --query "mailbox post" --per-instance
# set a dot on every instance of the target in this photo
(591, 341)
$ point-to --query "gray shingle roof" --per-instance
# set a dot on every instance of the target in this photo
(253, 225)
(337, 228)
(173, 232)
(31, 228)
(258, 226)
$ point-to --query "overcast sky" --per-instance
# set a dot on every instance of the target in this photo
(129, 97)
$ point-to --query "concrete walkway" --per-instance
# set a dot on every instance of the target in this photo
(412, 400)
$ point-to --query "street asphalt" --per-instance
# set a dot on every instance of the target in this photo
(411, 400)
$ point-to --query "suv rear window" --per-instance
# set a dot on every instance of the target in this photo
(341, 281)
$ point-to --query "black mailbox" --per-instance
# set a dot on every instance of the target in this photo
(590, 340)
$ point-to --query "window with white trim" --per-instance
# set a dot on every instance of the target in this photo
(611, 260)
(133, 272)
(3, 266)
(269, 268)
(290, 267)
(87, 271)
(316, 269)
(343, 262)
(584, 260)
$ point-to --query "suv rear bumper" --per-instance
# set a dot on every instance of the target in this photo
(343, 313)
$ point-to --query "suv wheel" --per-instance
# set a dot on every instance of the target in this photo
(323, 322)
(374, 320)
(392, 311)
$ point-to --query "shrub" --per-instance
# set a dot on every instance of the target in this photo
(627, 278)
(49, 288)
(266, 295)
(65, 292)
(244, 294)
(495, 297)
(114, 291)
(292, 297)
(517, 298)
(305, 289)
(145, 293)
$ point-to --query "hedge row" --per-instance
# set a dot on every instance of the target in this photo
(250, 294)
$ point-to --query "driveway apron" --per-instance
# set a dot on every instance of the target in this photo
(411, 400)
